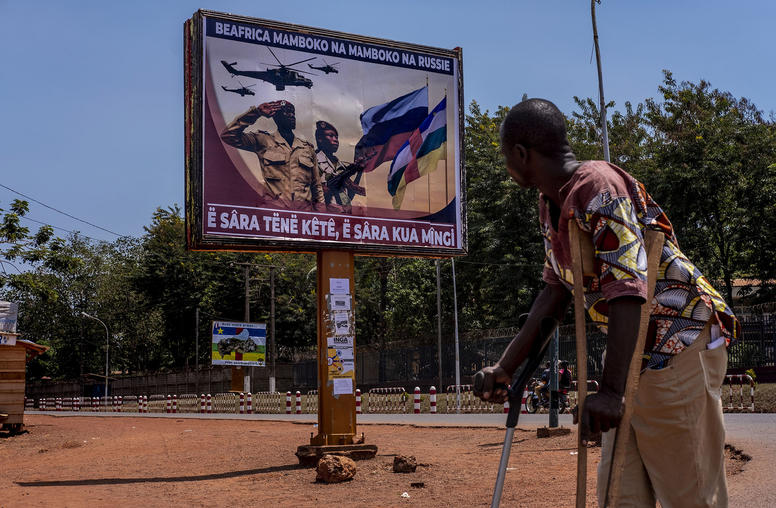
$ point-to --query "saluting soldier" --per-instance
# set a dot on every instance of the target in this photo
(288, 162)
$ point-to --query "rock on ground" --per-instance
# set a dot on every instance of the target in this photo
(335, 469)
(543, 432)
(404, 464)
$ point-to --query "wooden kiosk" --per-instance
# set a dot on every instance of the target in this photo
(14, 355)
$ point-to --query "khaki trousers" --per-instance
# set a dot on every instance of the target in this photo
(676, 450)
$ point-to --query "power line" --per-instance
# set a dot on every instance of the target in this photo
(60, 211)
(3, 263)
(57, 227)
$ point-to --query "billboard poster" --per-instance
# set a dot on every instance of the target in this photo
(239, 344)
(341, 362)
(9, 312)
(300, 138)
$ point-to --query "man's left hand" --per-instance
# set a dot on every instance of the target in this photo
(602, 411)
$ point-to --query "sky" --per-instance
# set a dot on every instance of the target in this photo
(91, 92)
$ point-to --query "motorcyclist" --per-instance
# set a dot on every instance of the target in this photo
(564, 376)
(564, 383)
(542, 388)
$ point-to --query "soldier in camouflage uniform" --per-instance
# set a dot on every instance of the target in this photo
(340, 179)
(327, 139)
(288, 162)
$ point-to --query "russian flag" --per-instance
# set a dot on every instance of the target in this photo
(387, 126)
(420, 153)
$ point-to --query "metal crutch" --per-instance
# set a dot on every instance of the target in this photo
(538, 349)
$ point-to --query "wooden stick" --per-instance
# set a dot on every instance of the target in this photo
(654, 245)
(581, 251)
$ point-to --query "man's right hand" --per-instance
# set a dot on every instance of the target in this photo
(269, 109)
(491, 385)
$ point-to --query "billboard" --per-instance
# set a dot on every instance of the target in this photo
(239, 344)
(302, 139)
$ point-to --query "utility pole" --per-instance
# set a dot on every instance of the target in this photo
(237, 371)
(196, 349)
(554, 398)
(272, 348)
(107, 345)
(247, 267)
(602, 102)
(273, 344)
(439, 325)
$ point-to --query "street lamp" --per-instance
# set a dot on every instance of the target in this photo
(84, 314)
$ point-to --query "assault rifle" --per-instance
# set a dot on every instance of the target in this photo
(342, 181)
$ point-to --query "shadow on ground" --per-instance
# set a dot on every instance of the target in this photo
(158, 479)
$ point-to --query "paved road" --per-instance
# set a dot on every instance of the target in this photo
(739, 425)
(754, 434)
(452, 420)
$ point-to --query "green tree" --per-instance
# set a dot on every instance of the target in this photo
(629, 135)
(502, 274)
(174, 282)
(16, 241)
(763, 226)
(62, 281)
(712, 157)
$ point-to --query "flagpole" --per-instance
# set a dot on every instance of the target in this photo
(447, 150)
(602, 102)
(428, 176)
(428, 190)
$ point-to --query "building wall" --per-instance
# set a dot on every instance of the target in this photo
(12, 371)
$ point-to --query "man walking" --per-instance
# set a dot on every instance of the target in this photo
(676, 449)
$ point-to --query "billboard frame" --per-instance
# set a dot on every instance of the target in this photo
(196, 239)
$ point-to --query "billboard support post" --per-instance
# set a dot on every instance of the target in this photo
(336, 372)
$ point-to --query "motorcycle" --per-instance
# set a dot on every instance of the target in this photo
(534, 402)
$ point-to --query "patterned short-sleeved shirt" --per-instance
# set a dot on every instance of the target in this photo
(615, 209)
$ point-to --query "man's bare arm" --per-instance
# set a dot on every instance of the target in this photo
(551, 302)
(603, 410)
(234, 135)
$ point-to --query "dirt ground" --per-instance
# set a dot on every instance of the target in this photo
(88, 461)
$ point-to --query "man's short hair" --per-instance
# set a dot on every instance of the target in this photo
(537, 124)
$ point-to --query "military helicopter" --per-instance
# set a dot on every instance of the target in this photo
(282, 77)
(243, 91)
(328, 68)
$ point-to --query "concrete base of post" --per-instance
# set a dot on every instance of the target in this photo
(309, 455)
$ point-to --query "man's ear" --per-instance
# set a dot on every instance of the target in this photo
(520, 152)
